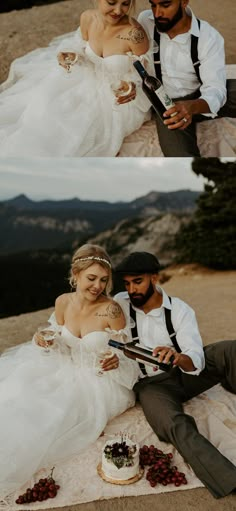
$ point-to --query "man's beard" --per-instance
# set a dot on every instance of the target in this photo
(141, 299)
(165, 26)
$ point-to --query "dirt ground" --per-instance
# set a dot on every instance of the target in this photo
(25, 30)
(212, 295)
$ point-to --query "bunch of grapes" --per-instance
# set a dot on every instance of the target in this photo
(160, 470)
(42, 490)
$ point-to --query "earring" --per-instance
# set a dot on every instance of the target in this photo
(73, 283)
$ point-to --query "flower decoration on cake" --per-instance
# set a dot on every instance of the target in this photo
(120, 453)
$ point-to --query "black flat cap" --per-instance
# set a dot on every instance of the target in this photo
(137, 263)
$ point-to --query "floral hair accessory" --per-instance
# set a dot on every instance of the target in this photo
(93, 258)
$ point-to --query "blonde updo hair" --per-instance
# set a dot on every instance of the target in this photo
(87, 255)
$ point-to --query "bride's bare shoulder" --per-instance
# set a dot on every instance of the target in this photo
(137, 37)
(86, 19)
(61, 305)
(112, 312)
(62, 301)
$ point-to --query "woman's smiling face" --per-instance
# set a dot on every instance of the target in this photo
(92, 281)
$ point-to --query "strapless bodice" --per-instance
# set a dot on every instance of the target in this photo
(117, 66)
(89, 342)
(83, 350)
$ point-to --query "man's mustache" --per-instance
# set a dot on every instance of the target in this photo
(162, 19)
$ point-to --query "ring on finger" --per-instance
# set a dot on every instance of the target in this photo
(184, 120)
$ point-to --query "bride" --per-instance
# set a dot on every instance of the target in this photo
(53, 405)
(62, 100)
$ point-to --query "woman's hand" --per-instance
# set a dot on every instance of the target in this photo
(110, 363)
(67, 59)
(39, 340)
(127, 98)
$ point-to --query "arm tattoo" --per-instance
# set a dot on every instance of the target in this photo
(135, 35)
(114, 311)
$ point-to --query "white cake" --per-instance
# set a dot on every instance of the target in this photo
(120, 459)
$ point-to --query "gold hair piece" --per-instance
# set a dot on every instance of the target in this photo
(92, 258)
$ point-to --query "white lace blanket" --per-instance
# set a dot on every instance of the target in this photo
(215, 414)
(216, 138)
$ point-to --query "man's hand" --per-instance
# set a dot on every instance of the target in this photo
(183, 115)
(164, 354)
(110, 363)
(184, 111)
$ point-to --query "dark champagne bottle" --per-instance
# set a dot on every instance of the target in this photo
(144, 355)
(154, 90)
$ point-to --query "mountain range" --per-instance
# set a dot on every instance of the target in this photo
(37, 239)
(27, 225)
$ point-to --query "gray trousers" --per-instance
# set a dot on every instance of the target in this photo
(161, 398)
(184, 142)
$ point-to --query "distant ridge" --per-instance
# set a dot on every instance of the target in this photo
(27, 224)
(180, 199)
(23, 202)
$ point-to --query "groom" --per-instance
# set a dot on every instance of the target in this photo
(190, 63)
(169, 327)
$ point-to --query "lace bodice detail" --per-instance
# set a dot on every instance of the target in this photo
(116, 67)
(83, 350)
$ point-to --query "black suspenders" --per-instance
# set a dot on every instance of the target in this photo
(194, 54)
(156, 55)
(169, 327)
(134, 333)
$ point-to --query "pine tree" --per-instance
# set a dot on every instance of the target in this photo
(210, 238)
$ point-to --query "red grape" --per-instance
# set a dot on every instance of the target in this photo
(160, 470)
(42, 490)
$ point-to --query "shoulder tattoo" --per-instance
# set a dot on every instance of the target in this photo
(113, 310)
(135, 35)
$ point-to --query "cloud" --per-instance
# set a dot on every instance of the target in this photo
(110, 179)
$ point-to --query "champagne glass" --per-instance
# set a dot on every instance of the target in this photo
(70, 59)
(100, 357)
(46, 333)
(120, 89)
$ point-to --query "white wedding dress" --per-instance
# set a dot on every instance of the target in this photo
(45, 111)
(52, 406)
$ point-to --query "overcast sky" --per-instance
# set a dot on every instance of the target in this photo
(111, 179)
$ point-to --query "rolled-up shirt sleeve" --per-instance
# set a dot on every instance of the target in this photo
(212, 70)
(188, 335)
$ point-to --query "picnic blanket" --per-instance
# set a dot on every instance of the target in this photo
(215, 415)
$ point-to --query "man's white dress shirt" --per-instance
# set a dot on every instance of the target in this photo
(152, 329)
(178, 75)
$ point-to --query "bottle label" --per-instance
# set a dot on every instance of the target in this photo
(164, 98)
